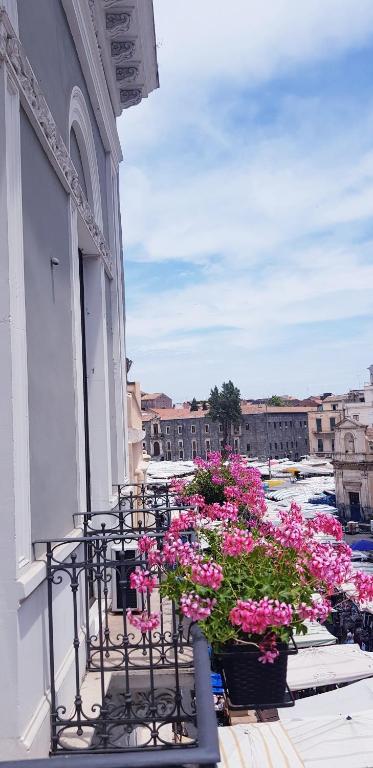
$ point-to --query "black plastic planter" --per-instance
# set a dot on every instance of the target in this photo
(249, 683)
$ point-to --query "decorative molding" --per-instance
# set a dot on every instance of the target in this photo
(79, 17)
(129, 97)
(122, 50)
(79, 120)
(127, 74)
(118, 23)
(125, 35)
(22, 74)
(14, 388)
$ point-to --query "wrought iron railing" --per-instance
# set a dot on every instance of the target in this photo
(134, 692)
(143, 495)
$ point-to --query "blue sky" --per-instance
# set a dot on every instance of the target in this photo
(247, 199)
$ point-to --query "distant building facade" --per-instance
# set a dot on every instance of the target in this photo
(353, 469)
(155, 400)
(357, 404)
(276, 432)
(322, 424)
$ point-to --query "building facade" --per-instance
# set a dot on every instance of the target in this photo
(356, 404)
(155, 400)
(353, 469)
(178, 433)
(67, 69)
(322, 424)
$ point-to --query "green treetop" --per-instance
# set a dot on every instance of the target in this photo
(225, 407)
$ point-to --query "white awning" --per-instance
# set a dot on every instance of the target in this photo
(333, 742)
(343, 701)
(316, 635)
(262, 745)
(314, 667)
(310, 742)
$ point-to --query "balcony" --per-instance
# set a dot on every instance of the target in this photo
(355, 458)
(322, 432)
(130, 692)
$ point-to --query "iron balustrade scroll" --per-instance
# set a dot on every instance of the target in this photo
(134, 691)
(144, 495)
(205, 753)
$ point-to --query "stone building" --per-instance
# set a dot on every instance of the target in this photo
(353, 469)
(264, 432)
(322, 424)
(68, 68)
(356, 404)
(155, 400)
(137, 458)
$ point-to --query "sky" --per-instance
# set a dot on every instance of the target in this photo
(247, 200)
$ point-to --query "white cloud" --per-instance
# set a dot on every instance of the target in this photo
(281, 203)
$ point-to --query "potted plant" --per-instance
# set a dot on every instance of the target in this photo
(249, 583)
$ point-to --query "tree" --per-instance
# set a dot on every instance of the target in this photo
(275, 400)
(225, 407)
(204, 406)
(194, 405)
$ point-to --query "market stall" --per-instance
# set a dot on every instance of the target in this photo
(309, 742)
(330, 665)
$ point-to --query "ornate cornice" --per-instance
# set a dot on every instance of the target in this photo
(126, 42)
(19, 67)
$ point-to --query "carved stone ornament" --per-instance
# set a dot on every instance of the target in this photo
(122, 50)
(118, 22)
(12, 53)
(3, 40)
(130, 97)
(111, 3)
(129, 74)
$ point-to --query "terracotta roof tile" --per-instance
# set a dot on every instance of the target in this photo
(174, 414)
(153, 396)
(167, 414)
(272, 409)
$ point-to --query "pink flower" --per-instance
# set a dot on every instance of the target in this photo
(207, 574)
(186, 521)
(326, 524)
(319, 610)
(175, 551)
(237, 542)
(195, 607)
(226, 512)
(364, 586)
(142, 580)
(145, 622)
(177, 485)
(329, 564)
(256, 616)
(269, 649)
(146, 544)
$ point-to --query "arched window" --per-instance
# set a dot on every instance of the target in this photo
(80, 134)
(349, 443)
(156, 449)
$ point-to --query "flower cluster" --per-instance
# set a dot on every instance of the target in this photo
(256, 616)
(195, 607)
(318, 611)
(207, 574)
(243, 578)
(363, 583)
(142, 580)
(145, 622)
(328, 525)
(237, 541)
(268, 648)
